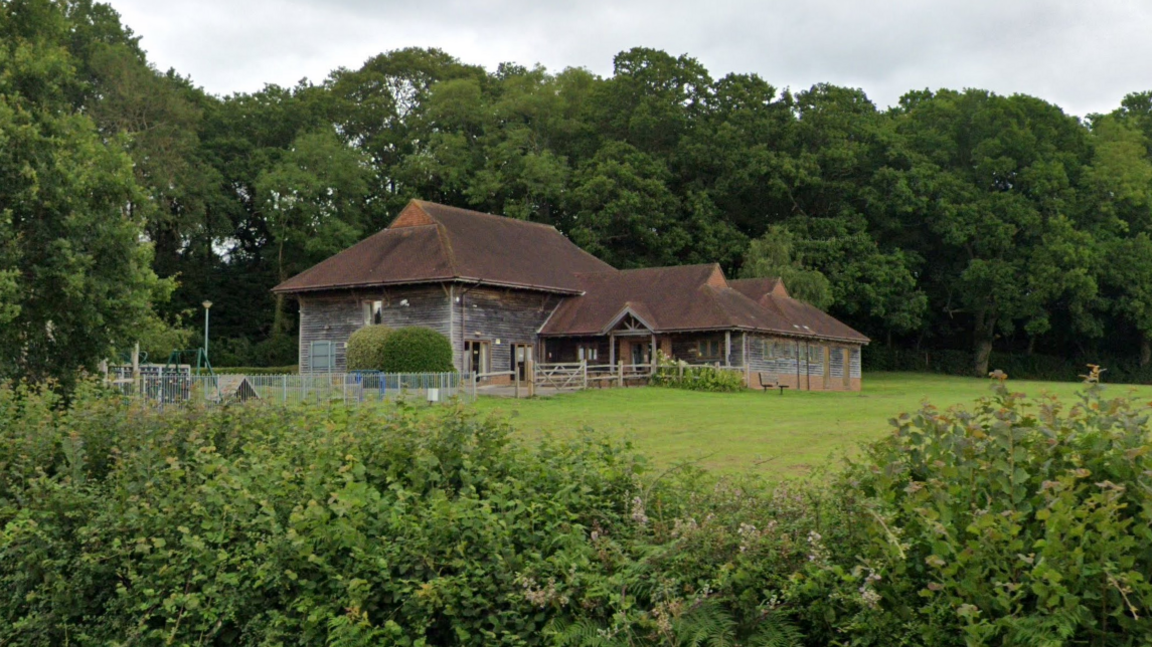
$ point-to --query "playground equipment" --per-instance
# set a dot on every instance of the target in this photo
(199, 357)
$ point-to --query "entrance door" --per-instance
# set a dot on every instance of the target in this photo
(521, 354)
(478, 357)
(639, 353)
(847, 368)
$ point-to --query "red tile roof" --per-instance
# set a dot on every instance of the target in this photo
(432, 242)
(691, 298)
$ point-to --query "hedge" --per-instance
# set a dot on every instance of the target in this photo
(1120, 369)
(256, 370)
(365, 350)
(1012, 523)
(417, 350)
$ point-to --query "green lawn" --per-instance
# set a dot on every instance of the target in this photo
(752, 430)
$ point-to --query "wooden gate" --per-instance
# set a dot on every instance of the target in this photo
(561, 376)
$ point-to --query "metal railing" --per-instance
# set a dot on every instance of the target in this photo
(173, 387)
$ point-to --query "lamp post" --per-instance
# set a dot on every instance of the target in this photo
(207, 305)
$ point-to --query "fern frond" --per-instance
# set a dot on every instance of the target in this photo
(774, 630)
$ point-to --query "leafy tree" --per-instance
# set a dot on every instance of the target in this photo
(621, 209)
(315, 199)
(773, 255)
(998, 176)
(74, 278)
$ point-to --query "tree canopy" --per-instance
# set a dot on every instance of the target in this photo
(954, 220)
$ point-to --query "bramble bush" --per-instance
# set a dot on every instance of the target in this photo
(1014, 523)
(416, 350)
(256, 524)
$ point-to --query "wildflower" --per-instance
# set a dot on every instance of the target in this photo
(638, 514)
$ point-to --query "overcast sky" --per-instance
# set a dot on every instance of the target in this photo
(1083, 55)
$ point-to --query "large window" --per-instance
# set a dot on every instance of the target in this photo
(322, 356)
(588, 352)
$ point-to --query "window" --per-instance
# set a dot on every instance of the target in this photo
(590, 353)
(322, 356)
(373, 313)
(815, 354)
(708, 348)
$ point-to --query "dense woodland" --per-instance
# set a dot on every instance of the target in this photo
(956, 220)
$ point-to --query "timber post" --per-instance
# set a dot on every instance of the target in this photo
(136, 382)
(530, 373)
(516, 379)
(744, 360)
(620, 374)
(584, 373)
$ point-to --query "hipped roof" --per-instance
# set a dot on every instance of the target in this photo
(691, 298)
(431, 242)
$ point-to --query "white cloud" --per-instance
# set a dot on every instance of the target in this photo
(1082, 56)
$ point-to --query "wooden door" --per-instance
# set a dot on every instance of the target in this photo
(847, 368)
(520, 355)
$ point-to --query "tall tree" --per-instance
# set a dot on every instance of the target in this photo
(76, 281)
(314, 200)
(998, 177)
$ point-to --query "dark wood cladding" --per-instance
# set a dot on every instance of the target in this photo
(501, 317)
(335, 316)
(783, 356)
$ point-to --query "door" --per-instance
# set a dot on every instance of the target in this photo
(638, 354)
(521, 355)
(847, 368)
(827, 367)
(477, 356)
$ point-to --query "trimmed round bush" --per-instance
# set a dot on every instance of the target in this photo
(417, 350)
(365, 350)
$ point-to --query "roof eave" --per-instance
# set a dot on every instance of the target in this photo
(671, 331)
(279, 289)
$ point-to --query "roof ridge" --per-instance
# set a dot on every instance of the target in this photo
(485, 214)
(670, 267)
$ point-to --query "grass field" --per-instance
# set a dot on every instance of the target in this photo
(770, 433)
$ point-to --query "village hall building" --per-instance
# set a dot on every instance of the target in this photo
(505, 290)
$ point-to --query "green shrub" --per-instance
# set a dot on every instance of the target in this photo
(1013, 524)
(681, 375)
(417, 350)
(254, 525)
(255, 370)
(1121, 369)
(365, 350)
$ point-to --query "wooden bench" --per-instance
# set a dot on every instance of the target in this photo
(768, 381)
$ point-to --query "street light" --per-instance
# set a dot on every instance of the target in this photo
(207, 305)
